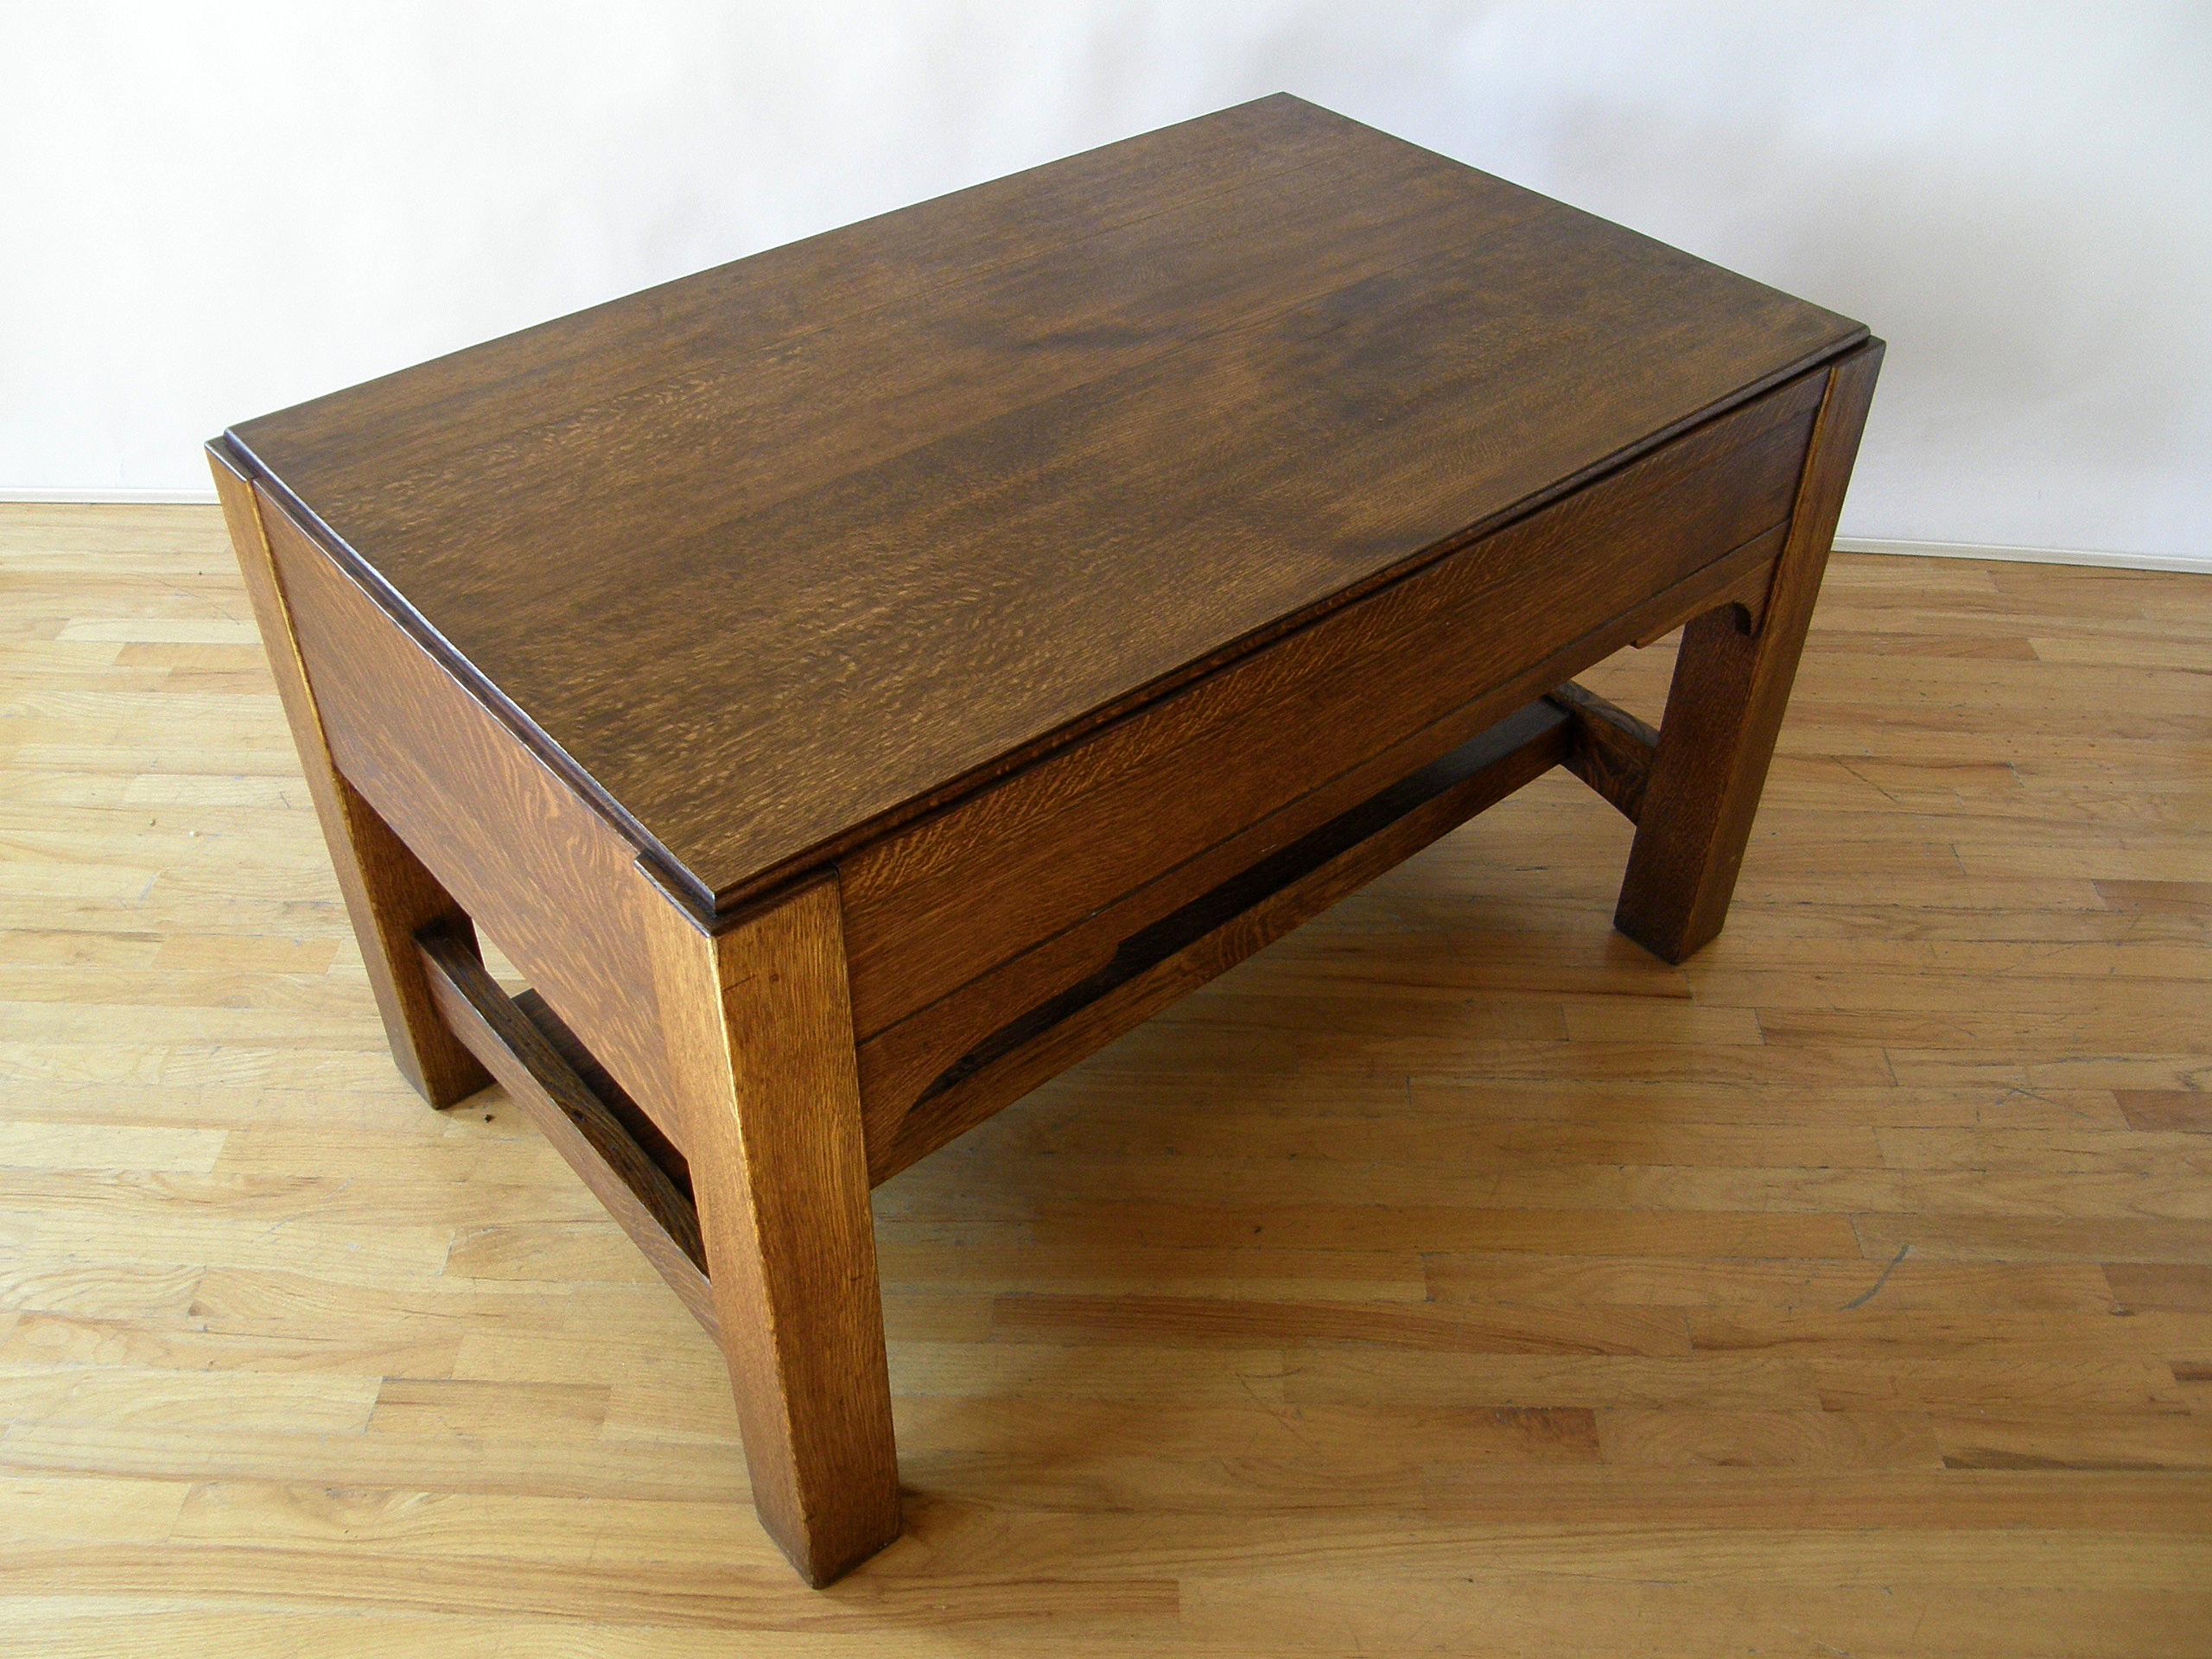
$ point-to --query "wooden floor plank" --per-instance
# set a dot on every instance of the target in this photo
(1451, 1276)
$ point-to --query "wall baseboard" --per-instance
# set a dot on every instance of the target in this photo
(113, 498)
(2201, 564)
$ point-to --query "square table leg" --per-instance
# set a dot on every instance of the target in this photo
(389, 894)
(760, 1040)
(1723, 710)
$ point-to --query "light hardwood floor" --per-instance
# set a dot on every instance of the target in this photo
(1452, 1277)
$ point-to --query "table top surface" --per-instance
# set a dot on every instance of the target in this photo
(770, 556)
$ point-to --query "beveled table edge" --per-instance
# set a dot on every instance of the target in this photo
(716, 907)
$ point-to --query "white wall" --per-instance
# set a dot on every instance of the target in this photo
(211, 212)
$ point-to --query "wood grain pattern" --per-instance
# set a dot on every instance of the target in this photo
(1725, 709)
(588, 1131)
(1447, 1275)
(389, 893)
(1612, 749)
(1216, 930)
(898, 1062)
(1347, 1305)
(553, 883)
(1442, 653)
(777, 556)
(718, 672)
(760, 1035)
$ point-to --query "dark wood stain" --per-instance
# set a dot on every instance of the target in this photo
(1511, 748)
(541, 873)
(931, 906)
(596, 1128)
(1725, 708)
(390, 893)
(855, 683)
(1220, 929)
(898, 1062)
(1611, 749)
(768, 559)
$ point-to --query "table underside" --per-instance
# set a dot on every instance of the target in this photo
(732, 1080)
(645, 1181)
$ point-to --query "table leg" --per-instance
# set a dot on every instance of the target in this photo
(760, 1043)
(389, 895)
(1725, 708)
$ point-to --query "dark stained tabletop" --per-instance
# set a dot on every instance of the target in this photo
(776, 553)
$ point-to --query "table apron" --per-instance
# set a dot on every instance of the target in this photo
(1012, 894)
(965, 924)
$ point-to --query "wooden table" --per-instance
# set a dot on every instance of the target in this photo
(856, 683)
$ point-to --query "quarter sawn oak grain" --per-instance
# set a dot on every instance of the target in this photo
(1452, 1275)
(775, 554)
(855, 684)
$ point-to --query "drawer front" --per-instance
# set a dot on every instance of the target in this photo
(942, 901)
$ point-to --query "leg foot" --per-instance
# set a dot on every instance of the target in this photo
(760, 1041)
(1725, 709)
(389, 894)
